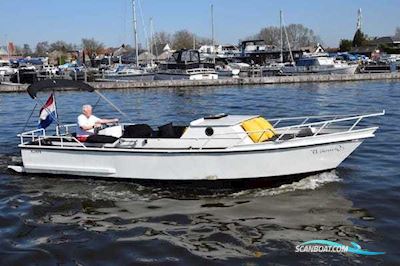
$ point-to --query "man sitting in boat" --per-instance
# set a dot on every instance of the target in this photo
(87, 123)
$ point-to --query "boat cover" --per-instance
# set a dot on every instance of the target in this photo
(53, 84)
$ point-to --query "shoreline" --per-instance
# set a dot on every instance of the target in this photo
(8, 88)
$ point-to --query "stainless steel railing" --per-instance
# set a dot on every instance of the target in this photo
(63, 136)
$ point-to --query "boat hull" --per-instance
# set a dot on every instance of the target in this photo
(196, 165)
(350, 69)
(184, 76)
(127, 77)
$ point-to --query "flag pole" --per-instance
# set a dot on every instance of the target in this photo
(55, 107)
(29, 118)
(47, 109)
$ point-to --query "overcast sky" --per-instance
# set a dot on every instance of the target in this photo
(110, 21)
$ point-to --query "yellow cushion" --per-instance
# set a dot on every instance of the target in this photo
(259, 129)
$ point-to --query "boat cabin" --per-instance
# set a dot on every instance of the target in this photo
(185, 59)
(218, 131)
(315, 61)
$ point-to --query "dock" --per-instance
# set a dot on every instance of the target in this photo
(221, 82)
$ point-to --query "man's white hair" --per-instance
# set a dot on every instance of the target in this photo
(86, 107)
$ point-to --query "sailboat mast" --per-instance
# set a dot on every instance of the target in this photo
(280, 26)
(287, 40)
(151, 41)
(212, 32)
(135, 32)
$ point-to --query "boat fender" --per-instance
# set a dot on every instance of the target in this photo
(259, 129)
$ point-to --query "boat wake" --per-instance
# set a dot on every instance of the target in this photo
(308, 183)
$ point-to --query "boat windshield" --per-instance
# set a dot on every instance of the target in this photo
(4, 64)
(307, 62)
(186, 56)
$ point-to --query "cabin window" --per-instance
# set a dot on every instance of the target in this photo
(209, 131)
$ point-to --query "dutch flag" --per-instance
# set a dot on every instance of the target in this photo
(47, 113)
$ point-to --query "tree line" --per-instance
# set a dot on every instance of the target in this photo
(361, 39)
(298, 35)
(43, 48)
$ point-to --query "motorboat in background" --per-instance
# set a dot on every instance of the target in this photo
(186, 64)
(219, 147)
(6, 69)
(319, 65)
(273, 69)
(227, 71)
(25, 74)
(127, 72)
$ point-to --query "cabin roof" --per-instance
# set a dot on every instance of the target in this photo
(229, 120)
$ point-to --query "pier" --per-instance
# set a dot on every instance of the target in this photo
(221, 82)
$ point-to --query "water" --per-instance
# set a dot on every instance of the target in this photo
(87, 222)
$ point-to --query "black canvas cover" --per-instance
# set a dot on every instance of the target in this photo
(54, 84)
(137, 131)
(101, 139)
(166, 131)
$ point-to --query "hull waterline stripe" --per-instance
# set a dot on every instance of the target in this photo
(197, 151)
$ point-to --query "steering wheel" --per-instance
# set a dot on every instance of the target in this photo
(104, 126)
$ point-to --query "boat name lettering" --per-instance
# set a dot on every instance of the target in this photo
(336, 148)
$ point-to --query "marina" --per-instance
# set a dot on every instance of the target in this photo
(252, 61)
(220, 82)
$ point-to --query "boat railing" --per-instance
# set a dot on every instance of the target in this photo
(32, 135)
(65, 129)
(39, 136)
(305, 119)
(199, 70)
(317, 126)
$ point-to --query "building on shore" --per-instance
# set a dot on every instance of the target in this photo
(378, 45)
(162, 52)
(3, 54)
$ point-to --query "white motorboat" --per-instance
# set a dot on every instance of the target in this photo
(186, 64)
(227, 71)
(272, 69)
(127, 72)
(220, 147)
(6, 69)
(319, 65)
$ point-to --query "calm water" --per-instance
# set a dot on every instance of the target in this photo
(86, 222)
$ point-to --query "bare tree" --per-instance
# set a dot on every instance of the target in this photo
(298, 35)
(61, 46)
(182, 40)
(42, 48)
(162, 37)
(92, 47)
(271, 35)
